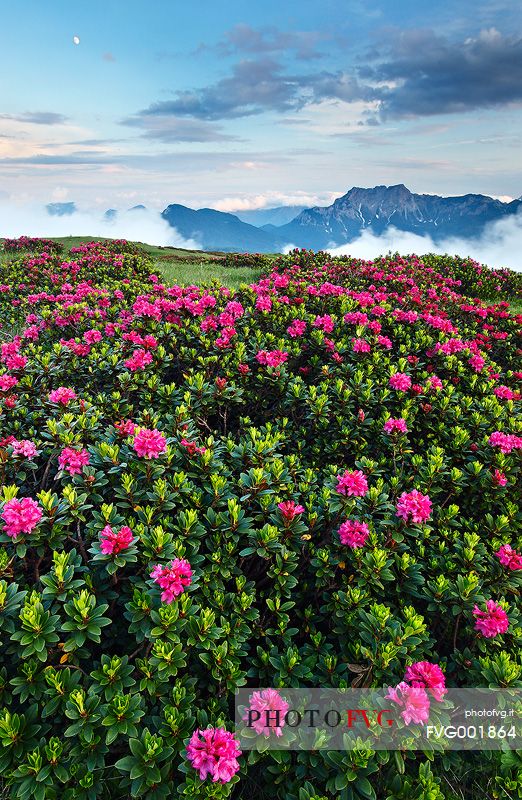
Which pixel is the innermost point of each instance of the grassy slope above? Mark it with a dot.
(183, 266)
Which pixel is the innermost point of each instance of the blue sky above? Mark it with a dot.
(236, 105)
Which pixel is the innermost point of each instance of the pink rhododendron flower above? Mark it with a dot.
(427, 675)
(139, 360)
(15, 362)
(361, 346)
(149, 443)
(395, 426)
(413, 699)
(191, 447)
(434, 382)
(385, 342)
(272, 358)
(326, 323)
(62, 395)
(24, 448)
(414, 506)
(263, 303)
(352, 483)
(492, 621)
(508, 557)
(113, 542)
(505, 393)
(289, 509)
(266, 712)
(7, 382)
(92, 335)
(297, 328)
(20, 516)
(354, 533)
(506, 442)
(477, 362)
(172, 579)
(125, 427)
(499, 479)
(73, 461)
(214, 752)
(400, 381)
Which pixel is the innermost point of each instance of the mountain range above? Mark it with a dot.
(375, 209)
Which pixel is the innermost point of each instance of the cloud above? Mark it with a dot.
(37, 117)
(274, 199)
(167, 128)
(138, 225)
(242, 38)
(256, 86)
(424, 74)
(499, 246)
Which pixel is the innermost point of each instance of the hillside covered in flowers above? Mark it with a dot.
(311, 481)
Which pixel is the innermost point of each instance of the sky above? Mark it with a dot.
(235, 106)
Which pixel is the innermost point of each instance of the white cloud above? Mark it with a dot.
(140, 225)
(274, 199)
(499, 246)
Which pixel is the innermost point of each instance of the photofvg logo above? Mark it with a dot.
(403, 717)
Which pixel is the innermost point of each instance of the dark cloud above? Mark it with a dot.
(430, 75)
(167, 128)
(257, 86)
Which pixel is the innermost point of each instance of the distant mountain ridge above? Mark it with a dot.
(375, 209)
(217, 230)
(261, 217)
(382, 207)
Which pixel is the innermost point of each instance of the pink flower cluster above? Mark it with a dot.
(62, 395)
(73, 461)
(289, 510)
(395, 426)
(414, 507)
(172, 579)
(24, 448)
(20, 516)
(271, 709)
(149, 443)
(427, 675)
(505, 393)
(506, 442)
(492, 621)
(325, 323)
(400, 381)
(113, 542)
(139, 360)
(125, 427)
(191, 447)
(352, 483)
(413, 700)
(272, 358)
(213, 752)
(360, 346)
(498, 478)
(354, 533)
(297, 328)
(411, 693)
(509, 557)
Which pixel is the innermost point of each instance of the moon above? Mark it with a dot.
(76, 39)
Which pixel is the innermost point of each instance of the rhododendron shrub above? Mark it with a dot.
(309, 481)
